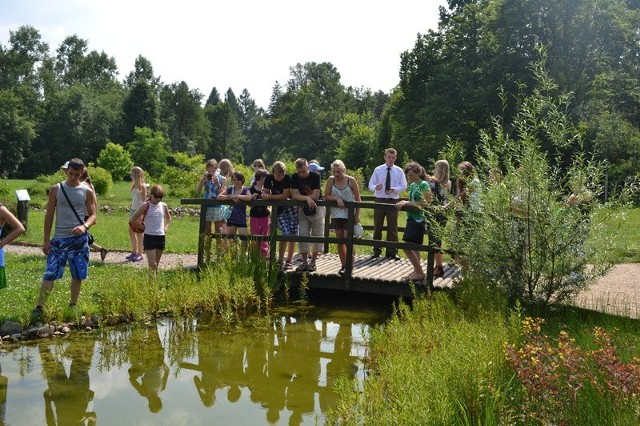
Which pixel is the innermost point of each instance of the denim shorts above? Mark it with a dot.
(72, 249)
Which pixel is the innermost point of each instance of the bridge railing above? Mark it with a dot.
(350, 240)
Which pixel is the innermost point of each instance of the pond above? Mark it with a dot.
(193, 371)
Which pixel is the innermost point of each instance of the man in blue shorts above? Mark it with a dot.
(68, 202)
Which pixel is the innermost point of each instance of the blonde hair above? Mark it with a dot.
(137, 177)
(441, 171)
(338, 164)
(226, 167)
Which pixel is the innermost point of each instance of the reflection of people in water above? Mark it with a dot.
(148, 373)
(4, 382)
(341, 364)
(264, 365)
(70, 395)
(220, 364)
(302, 365)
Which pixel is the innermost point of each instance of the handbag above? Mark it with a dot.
(414, 232)
(309, 211)
(139, 226)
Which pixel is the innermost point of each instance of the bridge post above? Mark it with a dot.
(203, 219)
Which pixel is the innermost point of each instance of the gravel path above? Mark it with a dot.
(616, 293)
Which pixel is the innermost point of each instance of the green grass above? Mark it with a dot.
(112, 232)
(223, 290)
(626, 228)
(435, 363)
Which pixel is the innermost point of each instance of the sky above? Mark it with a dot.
(237, 44)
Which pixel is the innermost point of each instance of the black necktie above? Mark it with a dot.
(387, 182)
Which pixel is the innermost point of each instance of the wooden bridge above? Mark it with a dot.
(363, 273)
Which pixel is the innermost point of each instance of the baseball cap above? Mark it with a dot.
(316, 167)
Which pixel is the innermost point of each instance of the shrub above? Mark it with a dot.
(116, 159)
(538, 204)
(101, 179)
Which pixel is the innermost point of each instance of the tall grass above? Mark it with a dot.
(444, 362)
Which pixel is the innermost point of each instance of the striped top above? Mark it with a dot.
(345, 194)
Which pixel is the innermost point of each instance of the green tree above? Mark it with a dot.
(150, 150)
(357, 138)
(140, 109)
(187, 127)
(226, 135)
(16, 133)
(116, 160)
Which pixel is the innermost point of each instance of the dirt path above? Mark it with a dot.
(616, 293)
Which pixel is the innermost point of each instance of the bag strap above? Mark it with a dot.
(70, 205)
(145, 212)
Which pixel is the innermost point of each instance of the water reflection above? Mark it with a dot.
(68, 395)
(280, 372)
(148, 373)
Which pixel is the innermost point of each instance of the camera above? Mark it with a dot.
(209, 176)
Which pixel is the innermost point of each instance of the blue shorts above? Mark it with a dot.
(72, 249)
(287, 220)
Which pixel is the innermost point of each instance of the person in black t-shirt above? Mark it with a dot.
(306, 187)
(277, 186)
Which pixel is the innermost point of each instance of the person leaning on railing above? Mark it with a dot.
(340, 188)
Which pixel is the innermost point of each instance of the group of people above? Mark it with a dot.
(429, 195)
(73, 205)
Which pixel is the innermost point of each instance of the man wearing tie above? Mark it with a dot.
(386, 183)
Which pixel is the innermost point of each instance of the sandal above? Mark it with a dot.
(311, 267)
(287, 266)
(302, 268)
(414, 277)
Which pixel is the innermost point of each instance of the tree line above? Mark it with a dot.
(71, 103)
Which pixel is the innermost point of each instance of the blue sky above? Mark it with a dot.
(238, 44)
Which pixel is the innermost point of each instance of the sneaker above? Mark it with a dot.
(103, 253)
(287, 266)
(342, 271)
(131, 255)
(302, 268)
(137, 258)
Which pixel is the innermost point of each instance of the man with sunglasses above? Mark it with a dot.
(68, 202)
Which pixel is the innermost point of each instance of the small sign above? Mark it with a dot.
(22, 194)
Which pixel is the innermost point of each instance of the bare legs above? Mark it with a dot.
(414, 258)
(153, 258)
(46, 286)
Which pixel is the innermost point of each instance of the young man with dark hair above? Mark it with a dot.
(68, 202)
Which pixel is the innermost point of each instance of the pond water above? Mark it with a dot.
(194, 372)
